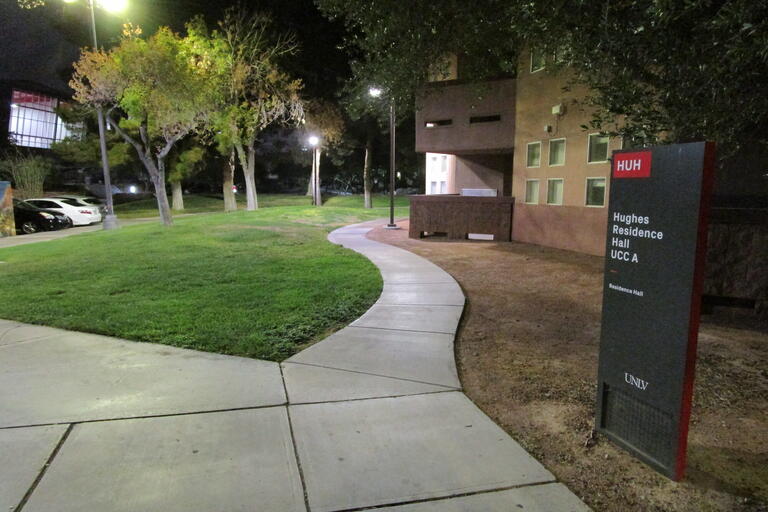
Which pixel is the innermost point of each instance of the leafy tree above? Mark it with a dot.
(675, 71)
(154, 91)
(257, 93)
(27, 172)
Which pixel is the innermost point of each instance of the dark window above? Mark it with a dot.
(485, 119)
(45, 204)
(439, 122)
(72, 202)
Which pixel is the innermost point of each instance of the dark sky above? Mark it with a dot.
(38, 45)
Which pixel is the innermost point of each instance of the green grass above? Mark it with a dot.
(205, 204)
(259, 284)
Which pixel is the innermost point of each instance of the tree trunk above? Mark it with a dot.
(158, 180)
(311, 184)
(318, 194)
(367, 185)
(251, 199)
(178, 196)
(230, 203)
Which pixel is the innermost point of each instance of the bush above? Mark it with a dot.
(27, 172)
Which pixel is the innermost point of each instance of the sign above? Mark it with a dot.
(654, 262)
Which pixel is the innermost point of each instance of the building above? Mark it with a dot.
(560, 171)
(467, 132)
(35, 66)
(522, 137)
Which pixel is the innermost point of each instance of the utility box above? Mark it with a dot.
(7, 223)
(655, 250)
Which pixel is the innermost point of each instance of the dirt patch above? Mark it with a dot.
(527, 355)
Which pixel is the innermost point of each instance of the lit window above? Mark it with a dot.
(438, 122)
(532, 191)
(538, 59)
(595, 191)
(33, 121)
(555, 191)
(598, 148)
(534, 154)
(557, 152)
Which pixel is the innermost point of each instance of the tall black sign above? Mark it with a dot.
(654, 259)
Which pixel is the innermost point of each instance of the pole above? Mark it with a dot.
(110, 220)
(392, 224)
(318, 194)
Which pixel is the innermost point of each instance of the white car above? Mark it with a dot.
(80, 215)
(88, 201)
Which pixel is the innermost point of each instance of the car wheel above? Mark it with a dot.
(29, 227)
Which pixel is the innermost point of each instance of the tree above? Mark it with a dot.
(160, 88)
(27, 172)
(325, 121)
(677, 70)
(257, 93)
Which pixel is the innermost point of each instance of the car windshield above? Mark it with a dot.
(24, 205)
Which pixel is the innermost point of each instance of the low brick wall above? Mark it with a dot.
(457, 216)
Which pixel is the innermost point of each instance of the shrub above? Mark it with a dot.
(27, 172)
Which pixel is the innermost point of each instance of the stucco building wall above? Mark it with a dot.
(572, 225)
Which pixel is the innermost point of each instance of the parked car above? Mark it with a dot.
(31, 219)
(80, 215)
(93, 202)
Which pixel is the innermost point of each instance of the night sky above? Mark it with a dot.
(321, 63)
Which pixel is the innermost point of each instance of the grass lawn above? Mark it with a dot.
(204, 204)
(259, 284)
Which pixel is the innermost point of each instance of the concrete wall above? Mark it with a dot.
(484, 171)
(572, 225)
(458, 102)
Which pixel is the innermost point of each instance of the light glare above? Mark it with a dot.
(313, 140)
(113, 5)
(375, 92)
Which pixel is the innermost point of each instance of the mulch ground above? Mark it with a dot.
(527, 354)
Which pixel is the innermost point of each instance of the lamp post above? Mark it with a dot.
(375, 92)
(110, 219)
(314, 142)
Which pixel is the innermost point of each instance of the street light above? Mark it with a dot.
(110, 220)
(314, 179)
(376, 92)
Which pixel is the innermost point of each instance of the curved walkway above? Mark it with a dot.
(372, 416)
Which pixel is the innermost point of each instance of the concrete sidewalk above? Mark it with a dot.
(372, 416)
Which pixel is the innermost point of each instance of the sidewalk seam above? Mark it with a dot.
(44, 469)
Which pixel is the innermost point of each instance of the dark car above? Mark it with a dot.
(31, 219)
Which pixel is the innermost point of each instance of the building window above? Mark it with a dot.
(538, 59)
(598, 148)
(532, 191)
(33, 120)
(595, 191)
(443, 187)
(555, 191)
(438, 122)
(534, 154)
(433, 187)
(485, 119)
(557, 152)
